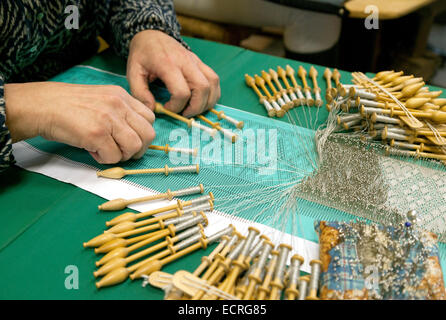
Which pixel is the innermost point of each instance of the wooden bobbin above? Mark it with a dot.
(221, 115)
(278, 96)
(292, 292)
(336, 76)
(118, 173)
(119, 262)
(277, 284)
(166, 148)
(120, 274)
(299, 99)
(130, 216)
(206, 261)
(120, 203)
(223, 267)
(307, 90)
(226, 133)
(261, 83)
(317, 91)
(265, 288)
(190, 122)
(327, 77)
(263, 100)
(239, 264)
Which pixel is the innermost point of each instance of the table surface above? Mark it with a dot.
(45, 222)
(388, 9)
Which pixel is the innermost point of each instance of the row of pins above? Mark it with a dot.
(395, 108)
(241, 267)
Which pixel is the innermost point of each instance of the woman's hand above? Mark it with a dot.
(194, 87)
(104, 120)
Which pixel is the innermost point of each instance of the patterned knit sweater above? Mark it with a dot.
(35, 43)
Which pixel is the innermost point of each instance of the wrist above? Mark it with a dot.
(22, 115)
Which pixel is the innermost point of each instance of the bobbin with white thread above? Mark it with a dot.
(221, 115)
(255, 277)
(277, 284)
(291, 292)
(303, 287)
(300, 99)
(262, 99)
(240, 264)
(166, 148)
(264, 289)
(314, 280)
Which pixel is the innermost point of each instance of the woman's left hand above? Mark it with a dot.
(194, 87)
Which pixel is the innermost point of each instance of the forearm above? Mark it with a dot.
(6, 157)
(128, 17)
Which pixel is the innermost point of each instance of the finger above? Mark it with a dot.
(214, 81)
(126, 138)
(139, 86)
(176, 84)
(107, 151)
(141, 109)
(200, 90)
(144, 130)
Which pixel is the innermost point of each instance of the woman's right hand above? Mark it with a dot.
(103, 119)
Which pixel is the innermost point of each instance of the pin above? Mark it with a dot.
(307, 90)
(190, 122)
(263, 100)
(119, 204)
(168, 149)
(222, 115)
(261, 83)
(317, 91)
(314, 280)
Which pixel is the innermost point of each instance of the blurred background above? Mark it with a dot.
(353, 35)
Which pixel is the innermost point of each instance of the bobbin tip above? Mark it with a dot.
(198, 168)
(285, 245)
(298, 257)
(201, 188)
(211, 195)
(317, 261)
(240, 125)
